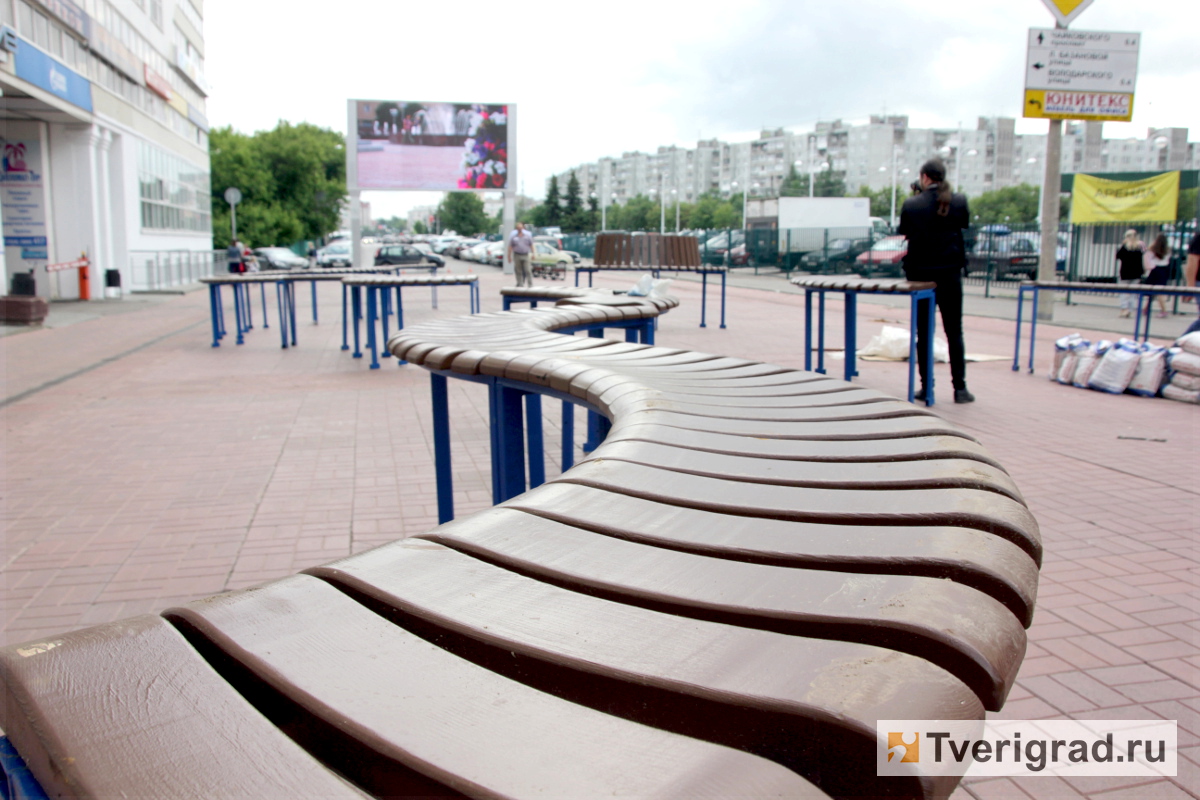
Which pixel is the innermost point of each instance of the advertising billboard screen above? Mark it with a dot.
(431, 146)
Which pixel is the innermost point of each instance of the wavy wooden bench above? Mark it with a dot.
(755, 566)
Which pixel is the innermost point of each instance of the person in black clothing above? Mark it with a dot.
(933, 222)
(1129, 256)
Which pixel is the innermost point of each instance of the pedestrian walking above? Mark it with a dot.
(520, 245)
(233, 254)
(1129, 257)
(1156, 262)
(933, 222)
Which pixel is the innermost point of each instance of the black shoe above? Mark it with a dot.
(963, 396)
(919, 395)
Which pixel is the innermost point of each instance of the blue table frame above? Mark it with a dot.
(243, 307)
(851, 325)
(515, 424)
(1144, 295)
(378, 309)
(655, 271)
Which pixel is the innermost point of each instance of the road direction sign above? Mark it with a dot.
(1072, 74)
(1066, 10)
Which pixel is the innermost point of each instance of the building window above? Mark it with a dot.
(174, 192)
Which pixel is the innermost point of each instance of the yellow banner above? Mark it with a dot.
(1056, 104)
(1099, 200)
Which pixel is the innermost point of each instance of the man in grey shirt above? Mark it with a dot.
(520, 245)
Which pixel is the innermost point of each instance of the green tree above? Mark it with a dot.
(552, 214)
(1187, 205)
(1014, 204)
(573, 214)
(881, 201)
(420, 227)
(292, 180)
(793, 185)
(830, 183)
(462, 212)
(593, 214)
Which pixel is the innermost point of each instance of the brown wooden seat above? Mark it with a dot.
(754, 566)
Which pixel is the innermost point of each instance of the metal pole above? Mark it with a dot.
(893, 216)
(233, 218)
(662, 204)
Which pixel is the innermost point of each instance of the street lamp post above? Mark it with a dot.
(675, 192)
(662, 206)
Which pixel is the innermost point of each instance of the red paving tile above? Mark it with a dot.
(164, 469)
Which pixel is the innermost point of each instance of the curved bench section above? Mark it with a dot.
(753, 568)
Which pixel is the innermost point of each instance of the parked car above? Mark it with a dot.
(1061, 253)
(548, 261)
(400, 255)
(430, 256)
(886, 257)
(556, 243)
(738, 257)
(838, 256)
(279, 258)
(335, 255)
(713, 251)
(494, 253)
(476, 252)
(1007, 255)
(458, 247)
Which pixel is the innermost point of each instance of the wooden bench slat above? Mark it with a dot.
(962, 630)
(130, 709)
(901, 426)
(798, 701)
(944, 473)
(971, 557)
(383, 704)
(968, 508)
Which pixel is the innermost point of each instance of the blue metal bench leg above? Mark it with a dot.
(220, 313)
(237, 311)
(345, 318)
(568, 435)
(249, 308)
(356, 306)
(929, 331)
(291, 320)
(1033, 317)
(912, 344)
(475, 301)
(1016, 365)
(313, 284)
(385, 300)
(512, 445)
(535, 442)
(722, 299)
(632, 334)
(281, 305)
(594, 420)
(441, 448)
(214, 300)
(808, 330)
(18, 782)
(494, 440)
(703, 297)
(372, 313)
(399, 322)
(821, 332)
(851, 314)
(262, 294)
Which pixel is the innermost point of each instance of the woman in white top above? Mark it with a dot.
(1155, 263)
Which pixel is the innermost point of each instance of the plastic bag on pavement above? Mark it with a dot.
(649, 286)
(1151, 371)
(1061, 348)
(891, 344)
(1116, 368)
(1088, 360)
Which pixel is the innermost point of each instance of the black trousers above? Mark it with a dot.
(949, 297)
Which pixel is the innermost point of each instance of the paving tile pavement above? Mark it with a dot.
(143, 468)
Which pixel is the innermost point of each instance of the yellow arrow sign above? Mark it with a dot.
(1066, 10)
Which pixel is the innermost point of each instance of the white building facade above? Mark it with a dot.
(874, 155)
(105, 142)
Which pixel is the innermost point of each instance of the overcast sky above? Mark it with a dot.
(597, 79)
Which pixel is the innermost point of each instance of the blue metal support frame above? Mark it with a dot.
(262, 294)
(18, 782)
(444, 476)
(535, 445)
(568, 435)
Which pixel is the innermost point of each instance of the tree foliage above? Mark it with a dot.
(881, 201)
(552, 213)
(794, 185)
(1012, 204)
(292, 180)
(830, 183)
(462, 212)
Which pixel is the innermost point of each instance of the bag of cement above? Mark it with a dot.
(1151, 371)
(1172, 392)
(1088, 360)
(1189, 343)
(1061, 348)
(1181, 380)
(1070, 360)
(1185, 362)
(1116, 368)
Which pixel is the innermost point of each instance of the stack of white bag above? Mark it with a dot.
(1115, 368)
(1184, 384)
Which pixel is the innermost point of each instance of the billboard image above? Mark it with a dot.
(431, 146)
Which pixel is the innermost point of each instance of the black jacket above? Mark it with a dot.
(934, 241)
